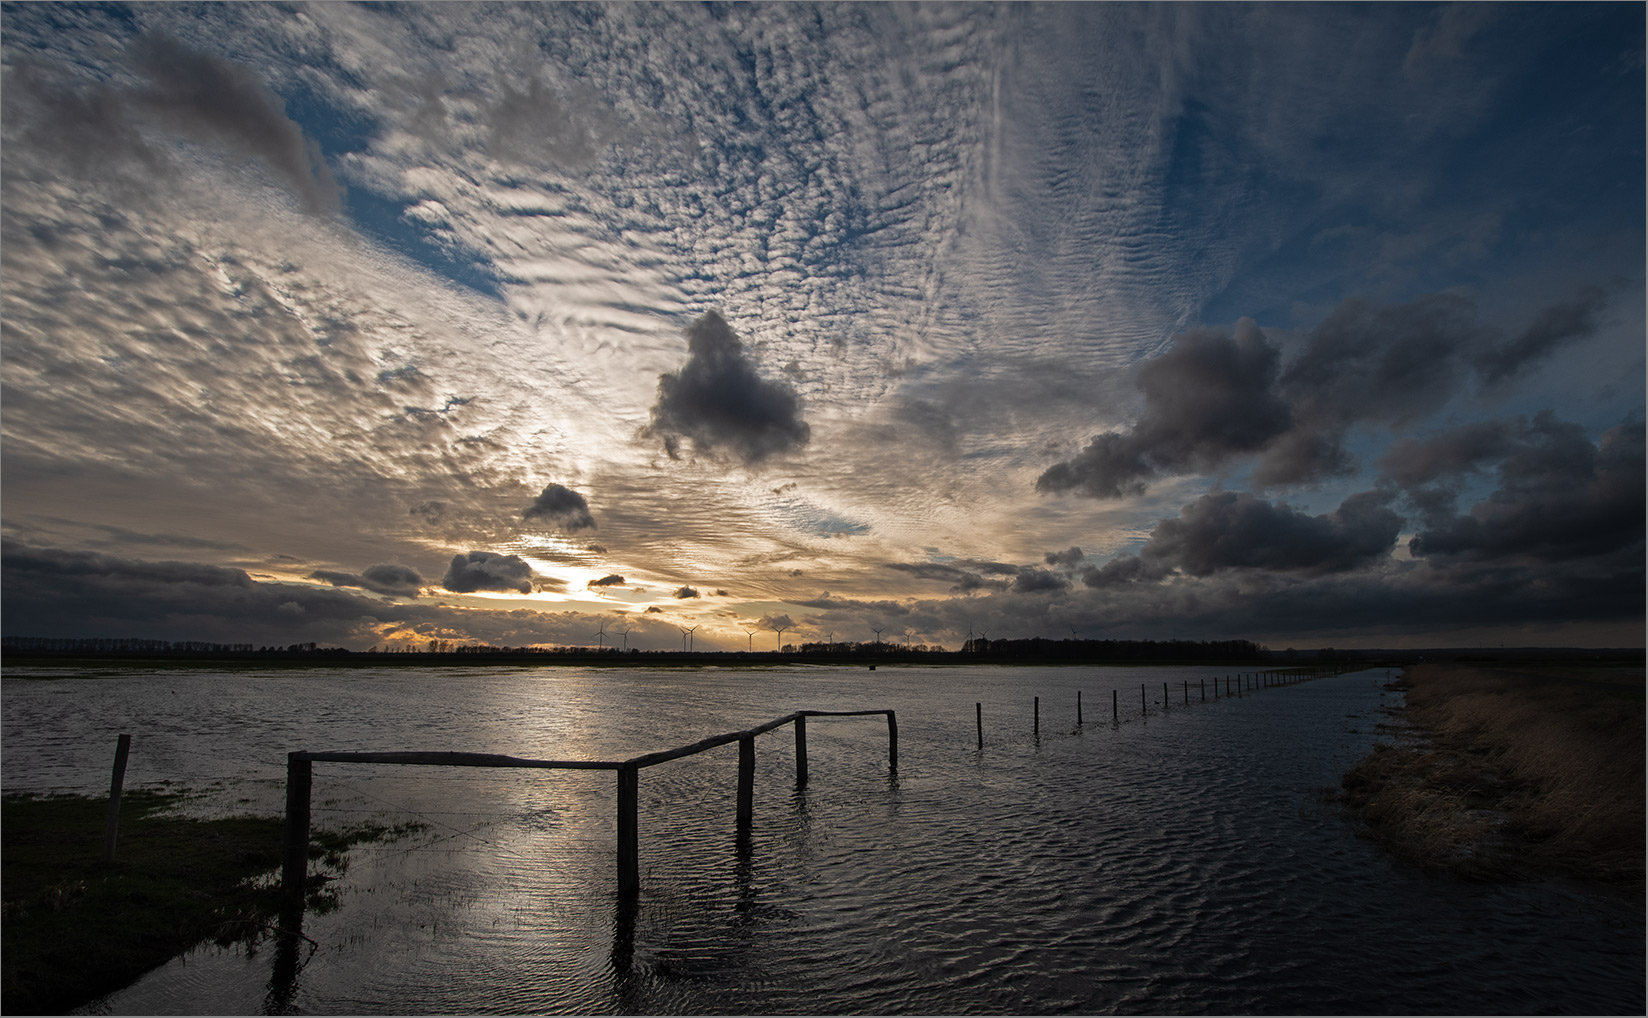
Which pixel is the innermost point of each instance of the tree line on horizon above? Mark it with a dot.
(1032, 649)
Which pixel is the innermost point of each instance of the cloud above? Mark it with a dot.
(653, 610)
(1552, 327)
(719, 401)
(1069, 557)
(610, 580)
(1208, 398)
(563, 507)
(485, 570)
(1031, 580)
(775, 622)
(1236, 530)
(401, 581)
(216, 101)
(1559, 497)
(686, 592)
(1213, 398)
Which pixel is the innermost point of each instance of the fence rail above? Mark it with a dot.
(300, 779)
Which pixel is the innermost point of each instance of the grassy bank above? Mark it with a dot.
(76, 928)
(1507, 772)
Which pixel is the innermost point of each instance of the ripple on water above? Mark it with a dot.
(1178, 863)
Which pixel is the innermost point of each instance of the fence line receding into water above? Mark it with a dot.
(300, 778)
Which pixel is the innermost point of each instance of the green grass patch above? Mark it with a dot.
(76, 927)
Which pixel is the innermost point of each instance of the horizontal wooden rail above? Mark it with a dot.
(461, 760)
(300, 769)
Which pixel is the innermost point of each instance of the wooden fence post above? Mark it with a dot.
(1035, 717)
(892, 741)
(978, 712)
(117, 783)
(294, 856)
(629, 832)
(1115, 713)
(1078, 708)
(746, 783)
(800, 749)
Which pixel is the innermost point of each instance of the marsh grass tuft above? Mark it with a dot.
(77, 927)
(1511, 772)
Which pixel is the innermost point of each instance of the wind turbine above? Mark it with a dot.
(601, 636)
(625, 634)
(751, 642)
(780, 631)
(690, 641)
(877, 631)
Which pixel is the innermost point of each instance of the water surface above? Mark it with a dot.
(1181, 860)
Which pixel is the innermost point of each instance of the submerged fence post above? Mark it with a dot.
(629, 832)
(1078, 708)
(1187, 692)
(746, 783)
(892, 741)
(801, 749)
(978, 713)
(117, 782)
(1144, 707)
(294, 855)
(1115, 713)
(1035, 717)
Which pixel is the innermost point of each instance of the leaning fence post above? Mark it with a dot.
(892, 741)
(629, 833)
(294, 861)
(117, 782)
(746, 783)
(801, 749)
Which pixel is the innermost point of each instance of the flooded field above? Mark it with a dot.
(1181, 859)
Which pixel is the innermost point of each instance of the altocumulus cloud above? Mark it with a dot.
(719, 400)
(486, 570)
(562, 506)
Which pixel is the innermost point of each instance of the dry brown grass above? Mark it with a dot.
(1513, 771)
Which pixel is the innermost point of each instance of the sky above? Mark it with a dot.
(562, 324)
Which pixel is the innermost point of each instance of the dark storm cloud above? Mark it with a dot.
(1069, 557)
(1410, 462)
(1231, 530)
(718, 400)
(1031, 580)
(1559, 497)
(1227, 530)
(23, 560)
(1207, 398)
(485, 570)
(213, 100)
(401, 581)
(563, 507)
(1552, 327)
(610, 580)
(1213, 398)
(72, 593)
(181, 90)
